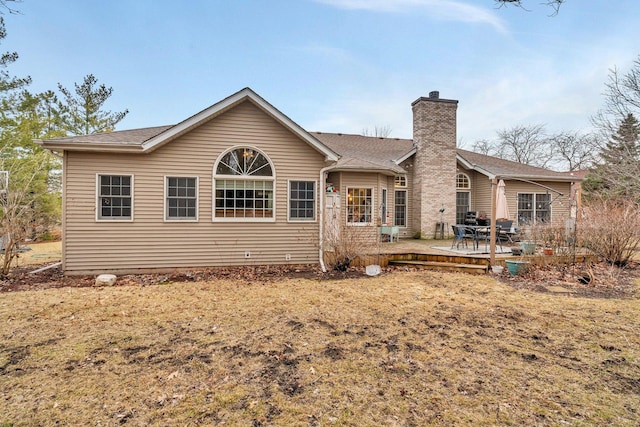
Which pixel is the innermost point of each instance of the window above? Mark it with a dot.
(383, 206)
(462, 181)
(359, 203)
(400, 181)
(400, 218)
(463, 203)
(181, 198)
(533, 208)
(244, 186)
(115, 197)
(463, 198)
(302, 201)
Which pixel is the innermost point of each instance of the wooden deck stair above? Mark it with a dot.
(442, 262)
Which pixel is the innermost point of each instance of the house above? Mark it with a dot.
(241, 183)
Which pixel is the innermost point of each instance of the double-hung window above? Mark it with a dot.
(302, 201)
(115, 197)
(244, 186)
(359, 205)
(181, 203)
(534, 208)
(400, 208)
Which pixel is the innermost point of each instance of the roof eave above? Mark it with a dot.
(405, 157)
(86, 146)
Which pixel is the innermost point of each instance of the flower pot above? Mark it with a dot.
(516, 267)
(547, 251)
(528, 248)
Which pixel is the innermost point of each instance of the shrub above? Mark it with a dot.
(611, 229)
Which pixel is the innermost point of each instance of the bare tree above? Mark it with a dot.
(525, 144)
(554, 4)
(573, 150)
(23, 194)
(378, 131)
(8, 5)
(622, 97)
(483, 146)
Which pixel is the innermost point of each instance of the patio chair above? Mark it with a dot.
(460, 236)
(505, 230)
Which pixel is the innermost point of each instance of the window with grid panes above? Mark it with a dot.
(302, 200)
(115, 197)
(359, 205)
(182, 199)
(244, 183)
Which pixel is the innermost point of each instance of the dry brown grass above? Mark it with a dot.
(407, 348)
(40, 253)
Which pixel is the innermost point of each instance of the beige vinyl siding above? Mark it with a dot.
(149, 242)
(361, 180)
(481, 196)
(560, 206)
(480, 193)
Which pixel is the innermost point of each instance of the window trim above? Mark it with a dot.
(534, 209)
(466, 178)
(406, 207)
(97, 197)
(400, 181)
(315, 202)
(166, 197)
(372, 214)
(216, 177)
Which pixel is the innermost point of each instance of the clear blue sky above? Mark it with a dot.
(334, 65)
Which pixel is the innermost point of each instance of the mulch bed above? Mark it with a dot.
(605, 281)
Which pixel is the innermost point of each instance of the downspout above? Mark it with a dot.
(321, 219)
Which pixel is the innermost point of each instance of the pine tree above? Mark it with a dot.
(82, 112)
(618, 172)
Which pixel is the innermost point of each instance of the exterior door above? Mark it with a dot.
(463, 205)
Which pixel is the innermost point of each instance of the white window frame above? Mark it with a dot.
(465, 179)
(256, 178)
(371, 214)
(166, 197)
(534, 209)
(98, 197)
(400, 181)
(406, 207)
(315, 201)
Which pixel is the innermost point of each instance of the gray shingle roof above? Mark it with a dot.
(506, 168)
(366, 152)
(132, 136)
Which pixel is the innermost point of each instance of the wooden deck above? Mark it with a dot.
(433, 255)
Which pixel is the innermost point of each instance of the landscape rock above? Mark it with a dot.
(106, 280)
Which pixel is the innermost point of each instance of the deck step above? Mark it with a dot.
(444, 266)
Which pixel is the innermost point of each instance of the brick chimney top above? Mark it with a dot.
(434, 96)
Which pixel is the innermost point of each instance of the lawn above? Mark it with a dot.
(404, 348)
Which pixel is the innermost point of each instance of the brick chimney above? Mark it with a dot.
(434, 174)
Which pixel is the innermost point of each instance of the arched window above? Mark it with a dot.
(463, 182)
(463, 197)
(244, 181)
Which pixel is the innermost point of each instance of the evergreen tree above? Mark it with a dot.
(623, 145)
(82, 112)
(618, 172)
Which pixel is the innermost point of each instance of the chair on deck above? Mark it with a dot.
(505, 230)
(460, 236)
